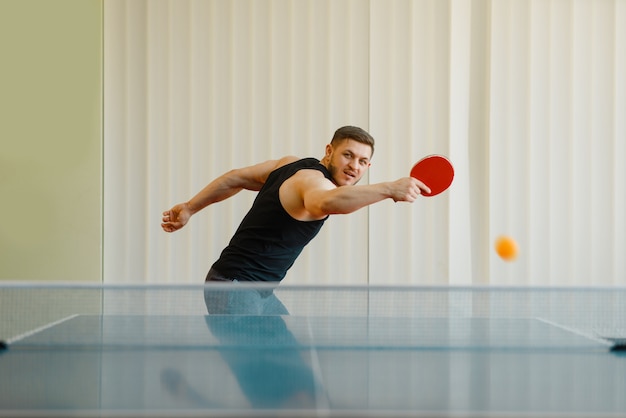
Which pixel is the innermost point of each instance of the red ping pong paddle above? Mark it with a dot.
(435, 171)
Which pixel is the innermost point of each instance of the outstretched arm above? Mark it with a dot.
(223, 187)
(348, 199)
(308, 195)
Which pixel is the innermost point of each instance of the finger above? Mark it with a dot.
(169, 227)
(423, 188)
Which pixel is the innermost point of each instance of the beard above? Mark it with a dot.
(333, 170)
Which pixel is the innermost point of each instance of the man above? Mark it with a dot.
(295, 198)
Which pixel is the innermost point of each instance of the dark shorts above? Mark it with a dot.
(240, 300)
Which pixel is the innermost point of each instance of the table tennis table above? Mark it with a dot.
(353, 351)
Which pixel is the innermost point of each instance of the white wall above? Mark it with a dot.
(525, 97)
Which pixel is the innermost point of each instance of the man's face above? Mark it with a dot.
(348, 161)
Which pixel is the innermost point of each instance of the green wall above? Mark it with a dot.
(51, 140)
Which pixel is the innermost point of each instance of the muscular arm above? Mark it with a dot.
(223, 187)
(309, 195)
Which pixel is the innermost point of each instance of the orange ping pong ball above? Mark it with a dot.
(506, 247)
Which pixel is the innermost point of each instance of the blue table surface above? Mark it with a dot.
(309, 366)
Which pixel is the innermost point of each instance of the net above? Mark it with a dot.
(168, 316)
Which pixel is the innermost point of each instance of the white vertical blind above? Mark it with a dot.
(556, 159)
(195, 88)
(409, 102)
(459, 228)
(528, 98)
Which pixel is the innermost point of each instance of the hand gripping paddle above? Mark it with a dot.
(435, 171)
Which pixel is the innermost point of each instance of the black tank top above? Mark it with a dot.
(269, 240)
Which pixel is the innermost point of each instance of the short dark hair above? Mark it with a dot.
(355, 133)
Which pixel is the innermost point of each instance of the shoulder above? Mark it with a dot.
(305, 179)
(290, 166)
(268, 167)
(287, 160)
(312, 176)
(299, 163)
(301, 171)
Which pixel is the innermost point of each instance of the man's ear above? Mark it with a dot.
(329, 150)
